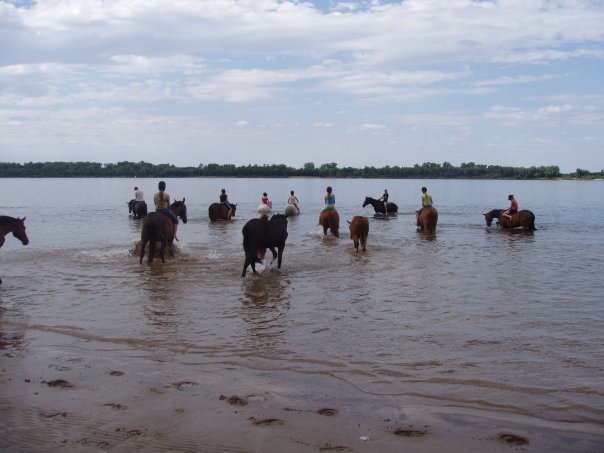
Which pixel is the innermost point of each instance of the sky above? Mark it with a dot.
(359, 83)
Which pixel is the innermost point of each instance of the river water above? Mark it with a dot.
(506, 323)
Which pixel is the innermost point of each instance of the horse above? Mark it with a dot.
(15, 226)
(219, 211)
(359, 229)
(158, 227)
(426, 219)
(378, 206)
(138, 209)
(290, 210)
(264, 208)
(329, 218)
(260, 234)
(524, 219)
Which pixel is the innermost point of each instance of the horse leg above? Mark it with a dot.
(162, 249)
(152, 244)
(280, 256)
(143, 244)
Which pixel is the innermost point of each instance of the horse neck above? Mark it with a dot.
(7, 225)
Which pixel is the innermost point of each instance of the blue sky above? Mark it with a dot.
(511, 82)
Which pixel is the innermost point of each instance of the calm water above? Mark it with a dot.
(477, 317)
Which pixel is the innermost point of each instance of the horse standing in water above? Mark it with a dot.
(524, 219)
(426, 219)
(359, 229)
(329, 218)
(158, 227)
(138, 209)
(218, 211)
(378, 206)
(15, 226)
(260, 234)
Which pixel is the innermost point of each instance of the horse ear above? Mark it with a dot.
(484, 215)
(183, 199)
(348, 222)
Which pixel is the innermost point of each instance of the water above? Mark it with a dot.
(509, 323)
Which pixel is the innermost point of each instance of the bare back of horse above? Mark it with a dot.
(260, 234)
(359, 230)
(427, 218)
(524, 219)
(138, 209)
(330, 219)
(219, 211)
(12, 225)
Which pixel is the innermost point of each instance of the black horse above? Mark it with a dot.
(138, 209)
(15, 226)
(260, 234)
(378, 206)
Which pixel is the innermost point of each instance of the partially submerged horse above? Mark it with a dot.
(218, 211)
(15, 226)
(138, 209)
(264, 208)
(329, 218)
(290, 210)
(378, 206)
(426, 219)
(524, 219)
(260, 234)
(158, 227)
(359, 230)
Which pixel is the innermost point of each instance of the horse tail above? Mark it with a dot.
(532, 225)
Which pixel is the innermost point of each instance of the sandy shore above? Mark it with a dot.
(60, 392)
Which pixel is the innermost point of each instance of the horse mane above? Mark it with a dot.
(7, 220)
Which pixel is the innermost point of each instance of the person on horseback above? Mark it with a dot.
(384, 198)
(162, 204)
(426, 200)
(330, 199)
(266, 201)
(138, 194)
(225, 201)
(512, 209)
(293, 200)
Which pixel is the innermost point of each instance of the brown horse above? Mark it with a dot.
(329, 218)
(138, 209)
(158, 227)
(218, 211)
(426, 219)
(524, 219)
(15, 226)
(359, 229)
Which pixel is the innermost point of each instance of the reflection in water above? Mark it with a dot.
(12, 337)
(264, 302)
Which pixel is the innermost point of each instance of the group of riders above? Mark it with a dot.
(162, 202)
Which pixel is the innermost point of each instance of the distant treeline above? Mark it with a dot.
(145, 169)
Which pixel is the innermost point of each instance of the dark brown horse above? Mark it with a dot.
(524, 219)
(378, 206)
(260, 234)
(329, 218)
(218, 211)
(138, 209)
(158, 227)
(15, 226)
(426, 219)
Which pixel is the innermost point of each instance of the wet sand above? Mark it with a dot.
(61, 392)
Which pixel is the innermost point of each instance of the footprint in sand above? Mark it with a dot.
(61, 383)
(267, 421)
(409, 432)
(513, 439)
(183, 385)
(234, 400)
(327, 412)
(117, 373)
(329, 447)
(117, 406)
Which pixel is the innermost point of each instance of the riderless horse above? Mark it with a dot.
(15, 226)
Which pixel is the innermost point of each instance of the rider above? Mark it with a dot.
(426, 200)
(384, 198)
(138, 194)
(293, 200)
(225, 201)
(512, 209)
(162, 204)
(330, 199)
(266, 201)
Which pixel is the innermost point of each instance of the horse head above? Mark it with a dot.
(366, 202)
(131, 205)
(492, 214)
(180, 209)
(19, 231)
(233, 209)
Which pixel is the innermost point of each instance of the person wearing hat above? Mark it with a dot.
(512, 209)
